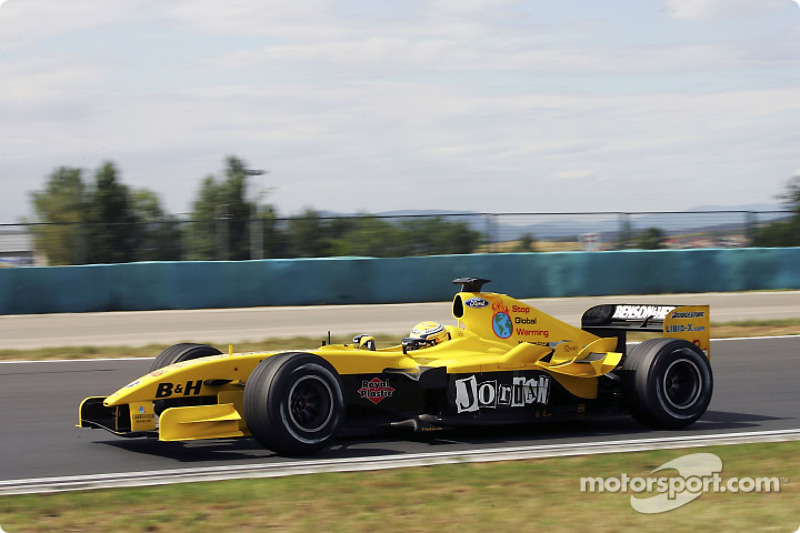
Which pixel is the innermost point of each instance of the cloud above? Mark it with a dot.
(310, 19)
(26, 22)
(336, 98)
(722, 9)
(43, 81)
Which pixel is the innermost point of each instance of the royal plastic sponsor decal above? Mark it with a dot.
(476, 303)
(641, 312)
(472, 396)
(375, 390)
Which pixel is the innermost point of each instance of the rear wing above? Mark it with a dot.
(689, 322)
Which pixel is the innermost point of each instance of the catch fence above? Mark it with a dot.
(267, 236)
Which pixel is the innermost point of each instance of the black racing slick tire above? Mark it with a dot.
(293, 403)
(185, 351)
(182, 352)
(667, 383)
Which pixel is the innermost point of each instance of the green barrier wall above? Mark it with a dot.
(194, 285)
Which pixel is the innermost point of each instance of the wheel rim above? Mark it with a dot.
(310, 403)
(682, 383)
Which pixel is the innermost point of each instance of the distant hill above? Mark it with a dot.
(746, 207)
(509, 227)
(555, 226)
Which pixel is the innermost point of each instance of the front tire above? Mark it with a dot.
(667, 383)
(184, 351)
(176, 353)
(293, 403)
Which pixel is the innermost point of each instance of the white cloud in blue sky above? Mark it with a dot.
(485, 105)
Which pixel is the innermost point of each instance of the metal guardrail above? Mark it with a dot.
(224, 238)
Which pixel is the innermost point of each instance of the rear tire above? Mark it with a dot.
(293, 403)
(667, 383)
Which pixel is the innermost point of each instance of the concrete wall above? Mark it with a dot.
(194, 285)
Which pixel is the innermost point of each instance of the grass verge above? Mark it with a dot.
(752, 328)
(151, 350)
(538, 495)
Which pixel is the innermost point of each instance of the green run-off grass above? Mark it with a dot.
(532, 495)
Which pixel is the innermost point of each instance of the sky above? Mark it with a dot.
(381, 105)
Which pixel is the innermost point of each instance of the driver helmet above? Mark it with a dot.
(430, 333)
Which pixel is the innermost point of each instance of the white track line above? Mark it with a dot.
(312, 466)
(99, 360)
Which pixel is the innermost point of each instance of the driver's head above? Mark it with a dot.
(429, 333)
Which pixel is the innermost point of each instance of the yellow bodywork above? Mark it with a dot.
(201, 422)
(493, 332)
(691, 323)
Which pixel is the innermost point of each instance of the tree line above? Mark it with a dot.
(99, 219)
(783, 232)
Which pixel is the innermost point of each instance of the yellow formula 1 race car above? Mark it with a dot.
(503, 362)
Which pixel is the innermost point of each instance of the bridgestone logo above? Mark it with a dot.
(695, 314)
(641, 312)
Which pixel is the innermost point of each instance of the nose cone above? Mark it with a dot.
(184, 379)
(144, 388)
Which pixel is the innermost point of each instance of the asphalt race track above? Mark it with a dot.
(755, 390)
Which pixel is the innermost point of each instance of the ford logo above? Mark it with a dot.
(476, 303)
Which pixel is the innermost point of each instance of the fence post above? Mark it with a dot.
(223, 230)
(750, 224)
(256, 234)
(186, 240)
(625, 231)
(490, 232)
(80, 249)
